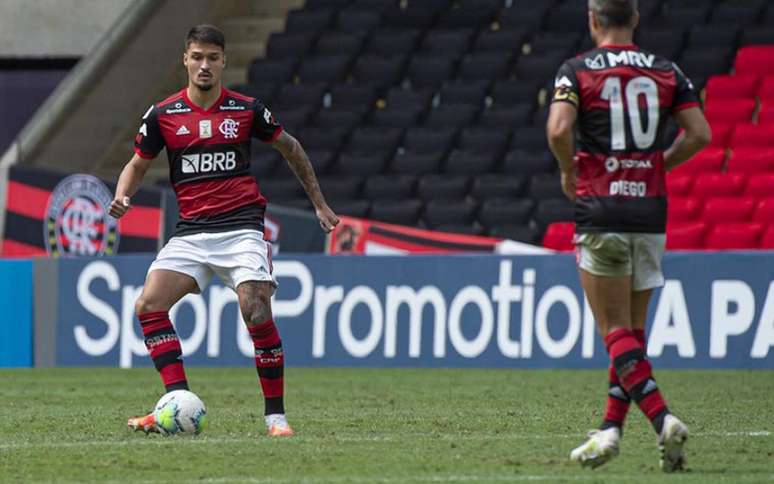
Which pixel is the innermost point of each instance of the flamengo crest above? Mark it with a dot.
(229, 128)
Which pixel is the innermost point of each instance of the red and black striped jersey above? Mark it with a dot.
(209, 158)
(624, 97)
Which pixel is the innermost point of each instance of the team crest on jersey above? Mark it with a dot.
(229, 128)
(77, 220)
(205, 128)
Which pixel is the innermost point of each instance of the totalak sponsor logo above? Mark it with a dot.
(178, 108)
(232, 106)
(209, 162)
(630, 58)
(612, 164)
(77, 222)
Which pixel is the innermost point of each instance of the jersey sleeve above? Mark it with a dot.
(566, 87)
(685, 94)
(149, 141)
(265, 127)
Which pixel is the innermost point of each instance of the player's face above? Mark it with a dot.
(205, 63)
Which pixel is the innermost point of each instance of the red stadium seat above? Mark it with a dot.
(767, 239)
(752, 135)
(685, 236)
(766, 114)
(751, 161)
(760, 185)
(731, 87)
(764, 211)
(734, 235)
(559, 236)
(683, 209)
(755, 60)
(728, 209)
(718, 184)
(721, 133)
(708, 160)
(730, 110)
(679, 184)
(766, 89)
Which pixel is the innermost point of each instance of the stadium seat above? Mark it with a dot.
(503, 116)
(718, 184)
(683, 209)
(533, 139)
(400, 117)
(484, 66)
(378, 71)
(508, 93)
(264, 91)
(447, 42)
(700, 63)
(398, 97)
(367, 138)
(336, 43)
(756, 35)
(342, 187)
(746, 14)
(710, 36)
(321, 161)
(445, 212)
(353, 96)
(721, 134)
(734, 236)
(739, 110)
(559, 236)
(415, 16)
(409, 162)
(317, 20)
(263, 163)
(317, 4)
(767, 239)
(750, 135)
(568, 17)
(360, 22)
(389, 187)
(553, 210)
(378, 6)
(429, 71)
(306, 96)
(401, 212)
(388, 43)
(329, 138)
(731, 87)
(538, 67)
(728, 209)
(760, 185)
(282, 45)
(666, 42)
(471, 16)
(460, 92)
(545, 186)
(506, 211)
(493, 140)
(764, 211)
(559, 43)
(766, 113)
(530, 19)
(496, 185)
(428, 140)
(351, 208)
(752, 161)
(361, 163)
(270, 70)
(709, 160)
(755, 60)
(682, 15)
(523, 162)
(470, 162)
(451, 116)
(283, 189)
(500, 41)
(435, 187)
(678, 184)
(685, 236)
(347, 118)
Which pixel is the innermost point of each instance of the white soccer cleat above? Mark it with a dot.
(277, 425)
(670, 443)
(600, 448)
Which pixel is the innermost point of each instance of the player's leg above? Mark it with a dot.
(648, 251)
(255, 304)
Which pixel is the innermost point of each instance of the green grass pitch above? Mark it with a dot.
(376, 426)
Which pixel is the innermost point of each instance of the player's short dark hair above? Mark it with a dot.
(614, 13)
(205, 34)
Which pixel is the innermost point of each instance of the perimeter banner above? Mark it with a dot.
(715, 311)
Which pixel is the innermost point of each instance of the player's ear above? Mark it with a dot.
(636, 19)
(185, 59)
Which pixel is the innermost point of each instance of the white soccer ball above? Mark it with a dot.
(180, 411)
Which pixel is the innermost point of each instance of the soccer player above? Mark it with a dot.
(619, 98)
(207, 130)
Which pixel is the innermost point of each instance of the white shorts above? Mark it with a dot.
(236, 257)
(618, 254)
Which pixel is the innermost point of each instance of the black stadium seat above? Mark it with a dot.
(545, 186)
(470, 162)
(338, 43)
(456, 92)
(493, 140)
(506, 211)
(340, 187)
(416, 16)
(568, 17)
(388, 43)
(301, 20)
(402, 212)
(274, 71)
(366, 138)
(329, 138)
(503, 116)
(323, 69)
(447, 42)
(523, 162)
(390, 187)
(351, 207)
(451, 116)
(445, 212)
(500, 41)
(361, 163)
(485, 66)
(295, 95)
(553, 210)
(428, 140)
(429, 71)
(530, 19)
(710, 36)
(378, 71)
(409, 162)
(496, 185)
(403, 98)
(358, 21)
(346, 118)
(352, 95)
(446, 187)
(289, 46)
(400, 117)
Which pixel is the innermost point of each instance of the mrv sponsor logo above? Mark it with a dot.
(209, 162)
(506, 316)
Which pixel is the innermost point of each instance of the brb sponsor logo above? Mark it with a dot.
(209, 162)
(507, 318)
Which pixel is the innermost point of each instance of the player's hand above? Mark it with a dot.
(328, 219)
(568, 184)
(119, 207)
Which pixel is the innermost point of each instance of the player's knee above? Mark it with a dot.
(259, 311)
(145, 304)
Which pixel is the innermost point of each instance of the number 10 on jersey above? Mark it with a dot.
(613, 93)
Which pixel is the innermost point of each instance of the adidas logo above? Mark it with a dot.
(182, 130)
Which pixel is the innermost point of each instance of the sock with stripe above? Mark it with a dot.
(617, 399)
(636, 375)
(164, 348)
(270, 363)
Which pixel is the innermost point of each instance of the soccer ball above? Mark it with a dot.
(180, 411)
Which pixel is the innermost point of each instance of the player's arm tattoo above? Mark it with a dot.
(296, 157)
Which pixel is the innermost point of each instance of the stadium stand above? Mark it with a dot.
(440, 105)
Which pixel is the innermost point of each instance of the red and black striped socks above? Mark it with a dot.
(617, 399)
(270, 363)
(636, 375)
(164, 348)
